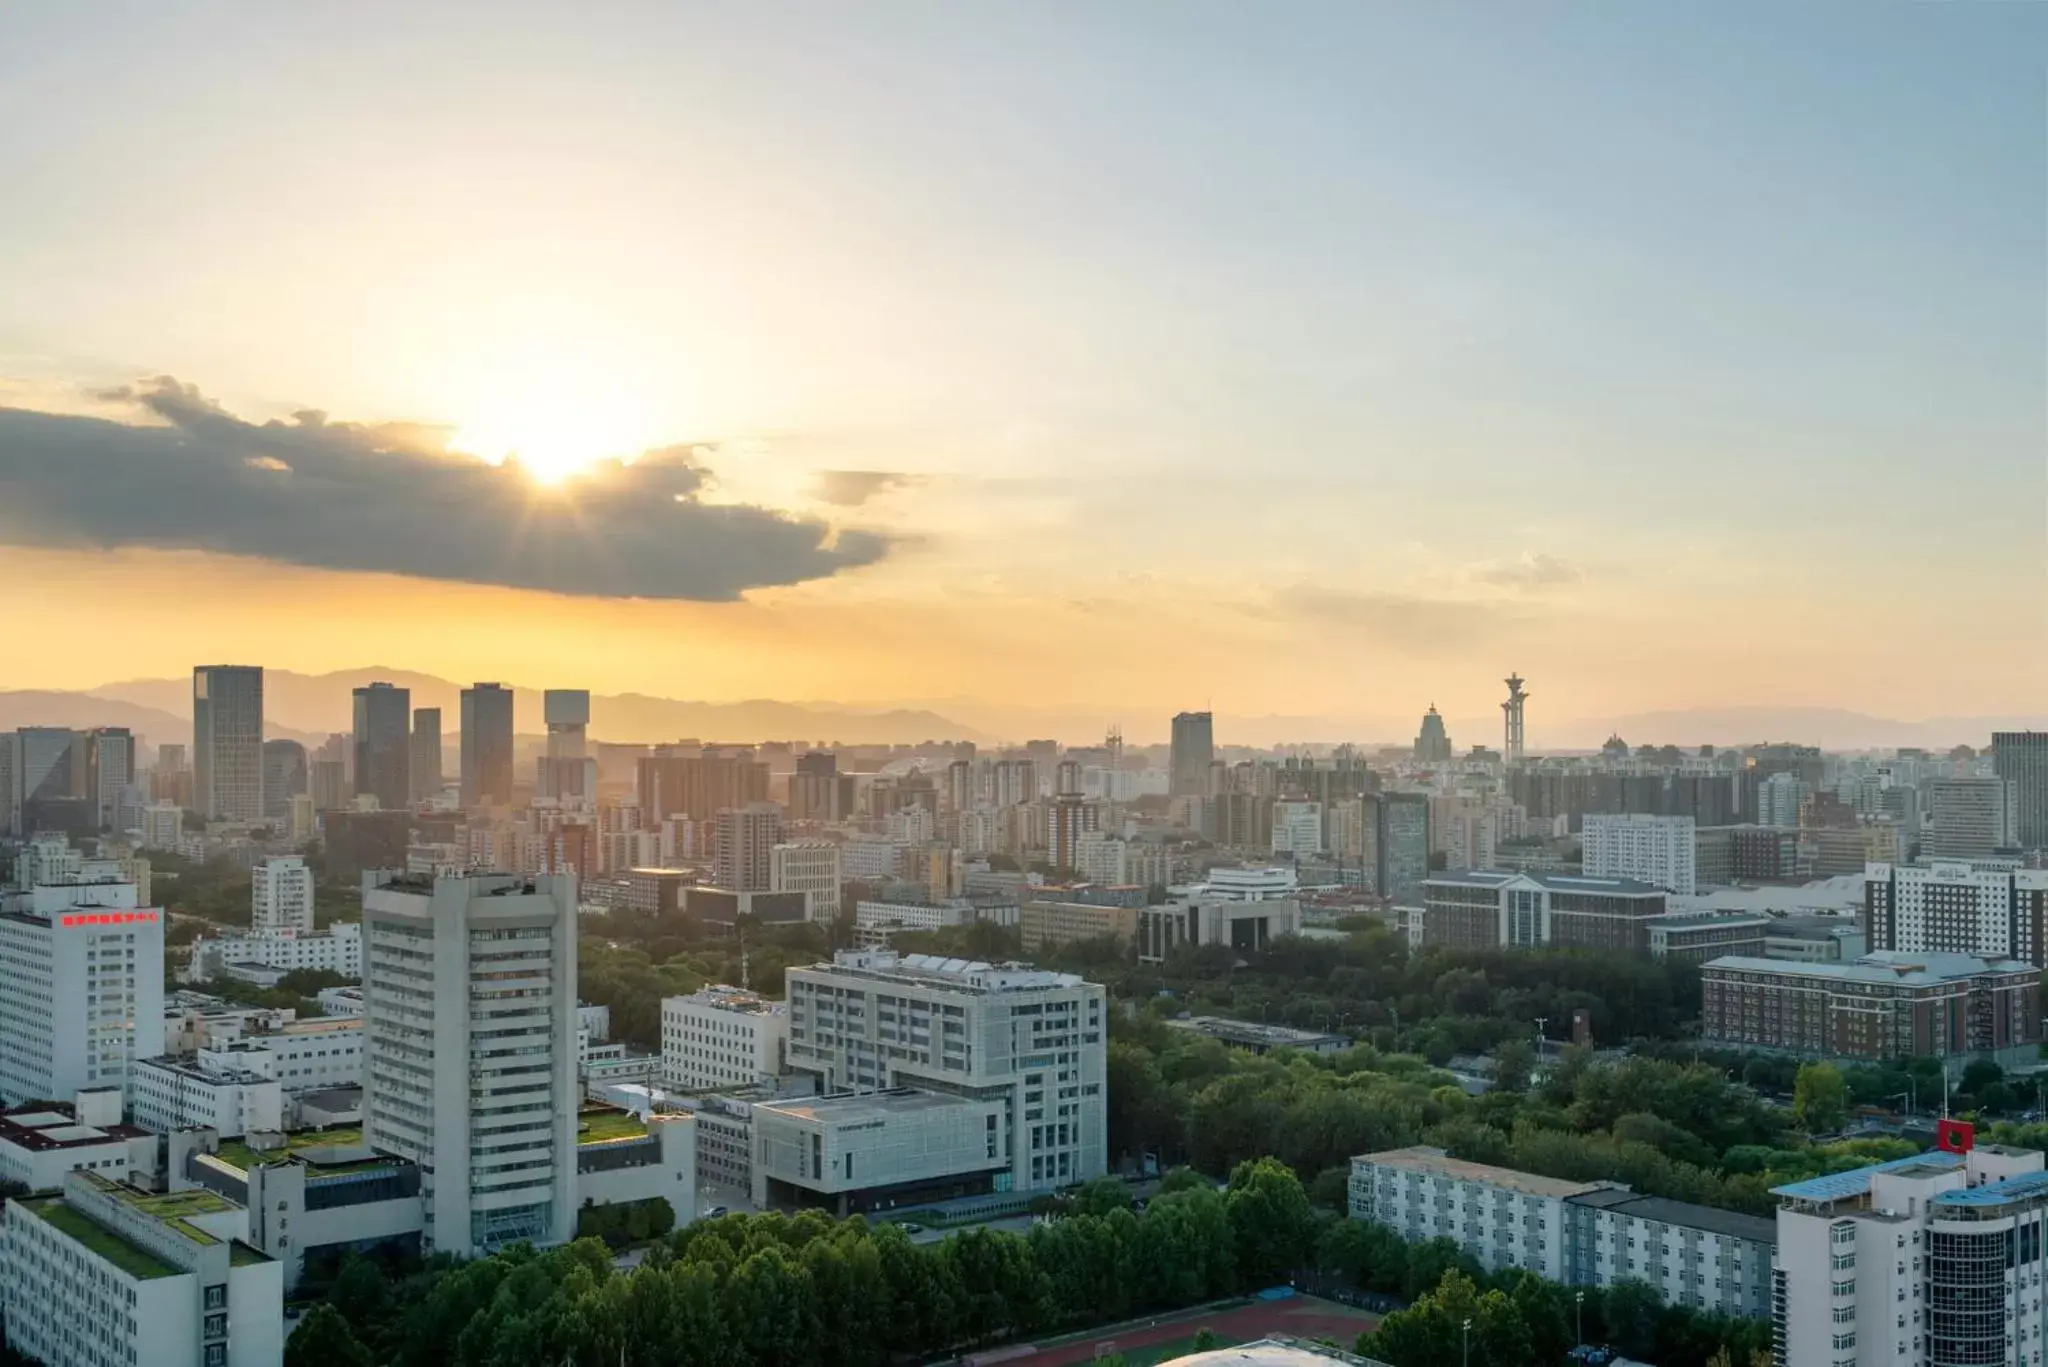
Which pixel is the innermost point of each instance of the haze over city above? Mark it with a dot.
(1311, 371)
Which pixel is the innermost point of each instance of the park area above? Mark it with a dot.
(1145, 1342)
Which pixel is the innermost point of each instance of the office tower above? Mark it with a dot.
(1955, 907)
(743, 859)
(227, 742)
(81, 989)
(284, 778)
(1023, 1048)
(1779, 798)
(487, 746)
(110, 777)
(567, 773)
(1193, 750)
(1401, 844)
(470, 1035)
(2021, 759)
(10, 777)
(426, 754)
(1432, 743)
(51, 778)
(1659, 850)
(1968, 818)
(1069, 817)
(281, 896)
(383, 741)
(328, 785)
(1511, 714)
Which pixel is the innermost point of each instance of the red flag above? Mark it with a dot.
(1955, 1136)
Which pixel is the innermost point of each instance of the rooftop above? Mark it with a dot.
(1684, 1214)
(1840, 1186)
(959, 975)
(133, 1259)
(1885, 966)
(341, 1146)
(1554, 882)
(1257, 1032)
(602, 1124)
(862, 1106)
(1437, 1163)
(41, 1129)
(1708, 921)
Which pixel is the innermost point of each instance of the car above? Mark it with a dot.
(910, 1228)
(715, 1212)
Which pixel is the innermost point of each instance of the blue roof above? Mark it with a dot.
(1839, 1186)
(2017, 1188)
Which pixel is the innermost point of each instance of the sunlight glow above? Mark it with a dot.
(553, 416)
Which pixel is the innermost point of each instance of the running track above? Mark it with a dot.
(1302, 1317)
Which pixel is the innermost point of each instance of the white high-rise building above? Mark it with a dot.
(470, 1030)
(81, 989)
(1989, 909)
(163, 826)
(1297, 828)
(1658, 850)
(1779, 798)
(281, 896)
(1929, 1261)
(227, 741)
(1030, 1044)
(742, 859)
(810, 867)
(721, 1037)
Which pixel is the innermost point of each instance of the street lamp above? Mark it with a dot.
(1468, 1343)
(1579, 1303)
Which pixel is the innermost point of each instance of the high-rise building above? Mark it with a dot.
(1432, 743)
(81, 989)
(816, 789)
(1067, 818)
(1297, 829)
(52, 779)
(1193, 750)
(284, 777)
(810, 867)
(328, 785)
(470, 1032)
(699, 786)
(1968, 818)
(487, 746)
(383, 743)
(743, 856)
(567, 773)
(1659, 850)
(1779, 798)
(426, 754)
(227, 742)
(110, 778)
(281, 896)
(1400, 843)
(2021, 759)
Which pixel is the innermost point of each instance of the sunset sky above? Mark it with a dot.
(1323, 360)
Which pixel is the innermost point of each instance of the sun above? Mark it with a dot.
(553, 423)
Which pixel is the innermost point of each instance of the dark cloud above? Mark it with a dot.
(1535, 570)
(346, 496)
(851, 488)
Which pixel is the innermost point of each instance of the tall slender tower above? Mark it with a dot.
(1512, 710)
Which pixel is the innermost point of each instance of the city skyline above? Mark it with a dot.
(1469, 387)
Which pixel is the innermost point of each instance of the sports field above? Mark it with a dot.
(1147, 1341)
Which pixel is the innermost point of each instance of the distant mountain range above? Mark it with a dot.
(309, 707)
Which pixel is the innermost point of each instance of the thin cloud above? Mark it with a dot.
(852, 488)
(1534, 571)
(1406, 622)
(346, 496)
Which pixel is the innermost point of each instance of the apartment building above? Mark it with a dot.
(281, 896)
(722, 1037)
(1658, 850)
(1579, 1233)
(470, 1031)
(104, 1274)
(1884, 1005)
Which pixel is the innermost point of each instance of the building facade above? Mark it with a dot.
(722, 1037)
(470, 1032)
(281, 896)
(2021, 759)
(810, 867)
(486, 755)
(383, 745)
(1193, 750)
(743, 855)
(1988, 908)
(81, 990)
(1489, 909)
(227, 742)
(1658, 850)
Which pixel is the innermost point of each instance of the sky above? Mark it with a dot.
(1324, 360)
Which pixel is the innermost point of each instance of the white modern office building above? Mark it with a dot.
(338, 949)
(81, 989)
(105, 1275)
(1025, 1045)
(225, 1089)
(722, 1037)
(1928, 1261)
(1578, 1233)
(810, 867)
(1658, 850)
(40, 1144)
(281, 896)
(470, 1031)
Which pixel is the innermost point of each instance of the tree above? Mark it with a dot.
(1432, 1332)
(323, 1339)
(1820, 1098)
(1513, 1062)
(1271, 1222)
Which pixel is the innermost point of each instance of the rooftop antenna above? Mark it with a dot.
(746, 981)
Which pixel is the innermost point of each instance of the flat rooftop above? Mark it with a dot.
(1684, 1214)
(1840, 1186)
(1437, 1163)
(602, 1124)
(1256, 1032)
(42, 1130)
(1889, 968)
(1708, 921)
(1555, 882)
(838, 1110)
(340, 1149)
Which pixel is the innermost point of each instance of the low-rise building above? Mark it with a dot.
(228, 1089)
(1200, 918)
(104, 1273)
(338, 949)
(1261, 1038)
(1045, 923)
(40, 1144)
(1814, 939)
(722, 1037)
(1884, 1005)
(1696, 939)
(1578, 1233)
(1495, 909)
(866, 1150)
